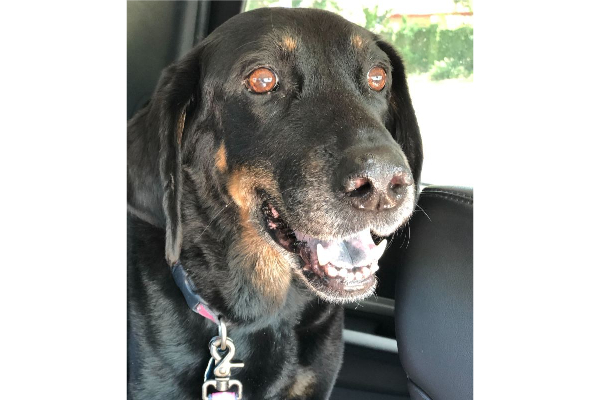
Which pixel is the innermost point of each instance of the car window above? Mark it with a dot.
(435, 39)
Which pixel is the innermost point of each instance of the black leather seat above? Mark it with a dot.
(434, 297)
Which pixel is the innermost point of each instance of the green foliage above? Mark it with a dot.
(444, 53)
(457, 45)
(418, 46)
(468, 4)
(330, 5)
(375, 21)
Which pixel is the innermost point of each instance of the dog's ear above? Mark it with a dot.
(402, 119)
(156, 179)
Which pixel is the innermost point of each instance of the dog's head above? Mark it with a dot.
(288, 141)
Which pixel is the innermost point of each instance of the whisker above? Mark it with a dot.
(394, 235)
(421, 208)
(214, 218)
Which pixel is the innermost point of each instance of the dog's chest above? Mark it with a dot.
(177, 369)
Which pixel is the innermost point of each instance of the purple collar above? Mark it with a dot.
(190, 292)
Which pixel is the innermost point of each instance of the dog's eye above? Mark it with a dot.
(376, 78)
(261, 80)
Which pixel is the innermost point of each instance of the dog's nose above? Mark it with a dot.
(375, 183)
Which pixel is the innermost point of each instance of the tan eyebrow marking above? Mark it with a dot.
(289, 43)
(357, 41)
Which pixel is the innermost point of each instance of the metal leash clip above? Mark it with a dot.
(222, 351)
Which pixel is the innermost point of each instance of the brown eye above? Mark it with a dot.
(376, 78)
(261, 80)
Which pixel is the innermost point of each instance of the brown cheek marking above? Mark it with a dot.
(242, 185)
(289, 43)
(357, 41)
(270, 271)
(221, 158)
(302, 386)
(239, 188)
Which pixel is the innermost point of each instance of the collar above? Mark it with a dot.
(200, 306)
(190, 292)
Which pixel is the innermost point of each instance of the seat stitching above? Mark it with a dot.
(449, 196)
(449, 192)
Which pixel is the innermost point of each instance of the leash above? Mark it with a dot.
(218, 372)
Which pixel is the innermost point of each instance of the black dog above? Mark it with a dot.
(267, 164)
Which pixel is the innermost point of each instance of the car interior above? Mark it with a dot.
(414, 338)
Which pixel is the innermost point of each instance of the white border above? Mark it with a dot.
(63, 200)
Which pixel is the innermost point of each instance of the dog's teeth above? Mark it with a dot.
(366, 271)
(332, 271)
(350, 276)
(322, 255)
(358, 276)
(378, 251)
(343, 272)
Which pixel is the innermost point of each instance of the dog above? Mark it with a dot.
(268, 163)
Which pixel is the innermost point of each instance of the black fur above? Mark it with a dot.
(187, 204)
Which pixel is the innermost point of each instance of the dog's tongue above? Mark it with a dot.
(355, 251)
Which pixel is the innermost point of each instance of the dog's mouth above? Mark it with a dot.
(337, 269)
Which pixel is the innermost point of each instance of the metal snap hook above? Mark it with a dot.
(223, 334)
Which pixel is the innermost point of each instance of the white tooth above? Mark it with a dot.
(366, 271)
(374, 267)
(358, 276)
(322, 255)
(343, 272)
(332, 271)
(350, 276)
(378, 251)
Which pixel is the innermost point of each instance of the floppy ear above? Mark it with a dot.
(159, 128)
(403, 121)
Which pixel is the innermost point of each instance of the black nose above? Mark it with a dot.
(375, 180)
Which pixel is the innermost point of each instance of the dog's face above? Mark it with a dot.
(296, 128)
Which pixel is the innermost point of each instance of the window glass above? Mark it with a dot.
(435, 39)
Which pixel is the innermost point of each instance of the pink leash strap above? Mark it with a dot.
(223, 396)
